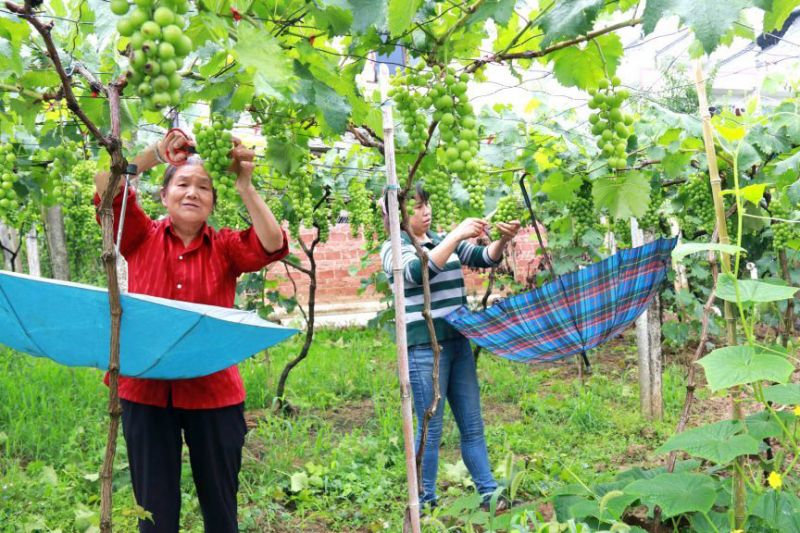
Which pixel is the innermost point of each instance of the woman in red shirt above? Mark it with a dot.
(182, 258)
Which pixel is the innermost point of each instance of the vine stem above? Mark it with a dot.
(119, 165)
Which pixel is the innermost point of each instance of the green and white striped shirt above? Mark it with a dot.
(447, 284)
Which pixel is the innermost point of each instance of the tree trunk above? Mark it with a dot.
(32, 253)
(57, 242)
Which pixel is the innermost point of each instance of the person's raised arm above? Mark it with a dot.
(266, 226)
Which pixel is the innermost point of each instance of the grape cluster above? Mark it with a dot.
(60, 182)
(442, 94)
(299, 194)
(358, 207)
(157, 48)
(581, 210)
(698, 206)
(651, 221)
(214, 147)
(509, 208)
(782, 232)
(9, 202)
(610, 125)
(437, 185)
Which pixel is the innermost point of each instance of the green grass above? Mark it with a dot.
(343, 449)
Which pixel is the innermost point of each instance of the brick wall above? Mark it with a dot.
(335, 283)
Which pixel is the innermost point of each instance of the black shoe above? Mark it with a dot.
(503, 504)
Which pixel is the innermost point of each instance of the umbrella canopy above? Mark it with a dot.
(573, 313)
(70, 323)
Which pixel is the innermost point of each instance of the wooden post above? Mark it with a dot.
(57, 242)
(32, 253)
(412, 510)
(643, 342)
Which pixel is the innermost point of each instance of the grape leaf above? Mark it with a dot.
(401, 13)
(582, 67)
(256, 48)
(368, 14)
(498, 10)
(624, 196)
(709, 22)
(777, 14)
(654, 10)
(566, 20)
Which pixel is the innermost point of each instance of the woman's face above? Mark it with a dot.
(420, 221)
(189, 196)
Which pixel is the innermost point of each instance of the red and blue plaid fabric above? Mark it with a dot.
(573, 313)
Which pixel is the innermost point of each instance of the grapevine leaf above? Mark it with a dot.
(258, 49)
(581, 67)
(674, 164)
(337, 18)
(498, 10)
(401, 13)
(704, 17)
(754, 193)
(561, 188)
(654, 10)
(207, 27)
(624, 196)
(778, 13)
(566, 20)
(787, 166)
(368, 14)
(14, 31)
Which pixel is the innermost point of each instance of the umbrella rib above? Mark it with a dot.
(171, 346)
(20, 322)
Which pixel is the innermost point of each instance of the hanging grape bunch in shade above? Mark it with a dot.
(157, 48)
(698, 206)
(582, 212)
(59, 183)
(783, 232)
(8, 196)
(214, 144)
(610, 125)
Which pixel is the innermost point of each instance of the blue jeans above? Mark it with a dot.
(458, 382)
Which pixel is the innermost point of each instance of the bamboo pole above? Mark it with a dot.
(412, 510)
(739, 495)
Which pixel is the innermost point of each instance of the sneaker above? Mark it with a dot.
(503, 504)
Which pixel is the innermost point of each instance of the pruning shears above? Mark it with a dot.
(188, 149)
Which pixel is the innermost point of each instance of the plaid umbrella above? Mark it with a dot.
(574, 312)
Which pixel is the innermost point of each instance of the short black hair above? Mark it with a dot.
(421, 192)
(170, 173)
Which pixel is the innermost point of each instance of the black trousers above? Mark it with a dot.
(215, 438)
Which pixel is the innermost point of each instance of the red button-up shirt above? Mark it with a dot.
(203, 272)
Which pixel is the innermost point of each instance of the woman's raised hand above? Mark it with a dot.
(470, 227)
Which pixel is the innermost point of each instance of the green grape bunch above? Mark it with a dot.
(300, 200)
(698, 206)
(60, 184)
(581, 211)
(509, 208)
(441, 93)
(610, 124)
(782, 232)
(651, 221)
(158, 47)
(9, 202)
(359, 206)
(214, 144)
(437, 185)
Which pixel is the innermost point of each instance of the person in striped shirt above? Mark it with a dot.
(458, 379)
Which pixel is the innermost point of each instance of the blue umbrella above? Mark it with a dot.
(572, 313)
(160, 339)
